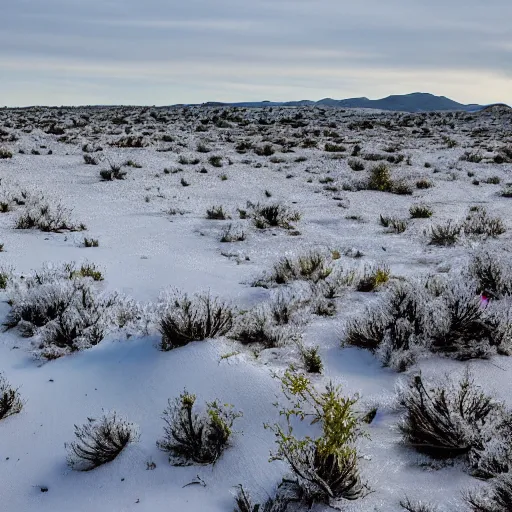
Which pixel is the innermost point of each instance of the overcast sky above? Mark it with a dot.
(160, 52)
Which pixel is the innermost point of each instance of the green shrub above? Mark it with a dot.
(192, 438)
(380, 178)
(325, 469)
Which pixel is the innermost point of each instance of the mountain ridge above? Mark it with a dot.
(413, 102)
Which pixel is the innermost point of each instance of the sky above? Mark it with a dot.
(162, 52)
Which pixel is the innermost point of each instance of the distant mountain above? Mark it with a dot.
(414, 102)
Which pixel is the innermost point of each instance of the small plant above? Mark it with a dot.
(420, 211)
(312, 266)
(401, 188)
(202, 148)
(395, 225)
(266, 150)
(4, 278)
(215, 161)
(274, 215)
(183, 160)
(231, 235)
(192, 438)
(100, 441)
(380, 178)
(216, 213)
(372, 278)
(89, 270)
(493, 180)
(277, 504)
(311, 360)
(356, 165)
(90, 160)
(185, 320)
(5, 153)
(445, 234)
(507, 191)
(416, 506)
(10, 401)
(91, 242)
(334, 148)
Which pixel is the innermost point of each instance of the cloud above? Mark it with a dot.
(127, 51)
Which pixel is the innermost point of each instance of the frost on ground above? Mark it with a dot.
(225, 308)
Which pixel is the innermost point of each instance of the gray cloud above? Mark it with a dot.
(158, 51)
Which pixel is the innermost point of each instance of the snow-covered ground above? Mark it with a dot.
(145, 247)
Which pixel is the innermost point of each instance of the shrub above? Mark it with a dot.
(5, 275)
(498, 498)
(463, 328)
(450, 420)
(493, 274)
(258, 327)
(507, 191)
(183, 160)
(334, 148)
(192, 438)
(277, 504)
(131, 163)
(202, 148)
(312, 266)
(356, 165)
(10, 401)
(325, 469)
(473, 157)
(40, 214)
(216, 213)
(184, 182)
(231, 235)
(266, 150)
(185, 320)
(100, 441)
(273, 215)
(5, 153)
(420, 211)
(493, 180)
(373, 277)
(445, 234)
(401, 188)
(311, 359)
(380, 178)
(89, 270)
(423, 184)
(479, 223)
(91, 242)
(215, 161)
(403, 323)
(63, 309)
(395, 225)
(416, 506)
(90, 160)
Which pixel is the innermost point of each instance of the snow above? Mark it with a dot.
(144, 250)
